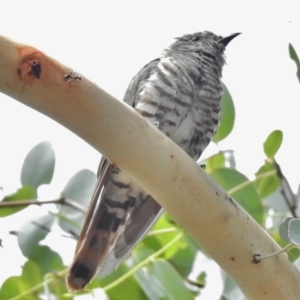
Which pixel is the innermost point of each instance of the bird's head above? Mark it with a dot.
(203, 44)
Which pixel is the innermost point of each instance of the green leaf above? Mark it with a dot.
(215, 162)
(32, 232)
(78, 189)
(284, 229)
(293, 254)
(231, 290)
(277, 237)
(24, 193)
(17, 285)
(289, 231)
(139, 255)
(220, 160)
(273, 143)
(227, 116)
(184, 257)
(168, 282)
(149, 287)
(38, 166)
(152, 242)
(128, 287)
(275, 204)
(294, 57)
(31, 273)
(160, 280)
(294, 231)
(269, 184)
(156, 242)
(247, 196)
(52, 263)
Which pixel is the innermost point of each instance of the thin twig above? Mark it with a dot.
(249, 182)
(35, 288)
(30, 202)
(257, 257)
(62, 200)
(143, 263)
(74, 205)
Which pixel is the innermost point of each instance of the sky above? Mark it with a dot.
(109, 41)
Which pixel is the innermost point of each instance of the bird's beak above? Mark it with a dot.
(225, 41)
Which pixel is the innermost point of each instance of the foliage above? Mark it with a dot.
(160, 266)
(295, 58)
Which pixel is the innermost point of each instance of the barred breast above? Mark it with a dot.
(183, 100)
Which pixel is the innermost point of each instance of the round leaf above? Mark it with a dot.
(160, 280)
(53, 261)
(273, 143)
(168, 283)
(214, 162)
(247, 196)
(147, 284)
(294, 231)
(267, 185)
(78, 189)
(129, 287)
(33, 231)
(293, 254)
(38, 166)
(183, 259)
(227, 116)
(284, 229)
(16, 285)
(24, 193)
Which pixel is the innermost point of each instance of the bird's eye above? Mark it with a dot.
(195, 38)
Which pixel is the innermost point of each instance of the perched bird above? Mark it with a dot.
(179, 93)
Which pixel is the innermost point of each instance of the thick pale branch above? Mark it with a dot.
(224, 229)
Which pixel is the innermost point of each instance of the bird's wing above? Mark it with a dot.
(103, 172)
(137, 83)
(146, 212)
(140, 221)
(119, 216)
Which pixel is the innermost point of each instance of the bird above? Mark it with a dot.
(180, 94)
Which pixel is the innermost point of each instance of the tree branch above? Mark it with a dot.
(224, 230)
(62, 200)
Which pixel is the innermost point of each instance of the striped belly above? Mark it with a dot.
(174, 103)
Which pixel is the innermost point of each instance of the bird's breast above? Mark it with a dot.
(177, 104)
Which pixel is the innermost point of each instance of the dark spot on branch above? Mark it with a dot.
(256, 259)
(227, 197)
(36, 69)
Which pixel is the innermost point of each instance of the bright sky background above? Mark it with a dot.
(109, 41)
